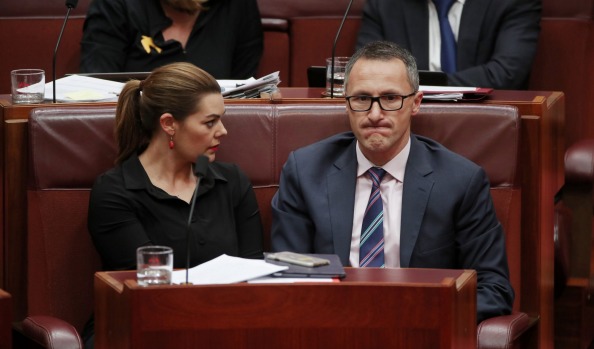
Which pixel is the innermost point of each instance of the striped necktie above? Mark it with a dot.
(448, 42)
(371, 248)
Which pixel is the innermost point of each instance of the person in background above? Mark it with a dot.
(482, 43)
(223, 37)
(381, 196)
(162, 125)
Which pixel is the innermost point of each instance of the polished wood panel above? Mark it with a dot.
(370, 308)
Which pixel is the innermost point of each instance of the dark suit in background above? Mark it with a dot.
(496, 42)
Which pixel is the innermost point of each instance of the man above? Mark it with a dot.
(436, 209)
(495, 40)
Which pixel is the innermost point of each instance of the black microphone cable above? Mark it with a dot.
(200, 168)
(334, 48)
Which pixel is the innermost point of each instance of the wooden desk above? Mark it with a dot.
(371, 308)
(543, 147)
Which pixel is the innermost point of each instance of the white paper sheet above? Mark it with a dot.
(226, 270)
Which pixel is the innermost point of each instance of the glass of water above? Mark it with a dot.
(27, 86)
(154, 265)
(335, 83)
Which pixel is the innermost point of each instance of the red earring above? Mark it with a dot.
(171, 143)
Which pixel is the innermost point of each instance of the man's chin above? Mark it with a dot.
(375, 137)
(375, 143)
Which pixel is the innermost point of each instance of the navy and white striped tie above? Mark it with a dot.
(371, 248)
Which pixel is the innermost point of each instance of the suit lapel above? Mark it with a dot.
(415, 195)
(416, 17)
(473, 15)
(341, 198)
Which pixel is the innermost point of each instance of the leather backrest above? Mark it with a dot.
(288, 9)
(69, 147)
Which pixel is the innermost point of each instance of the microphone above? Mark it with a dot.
(70, 4)
(334, 48)
(200, 168)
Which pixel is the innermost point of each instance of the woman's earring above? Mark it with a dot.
(171, 143)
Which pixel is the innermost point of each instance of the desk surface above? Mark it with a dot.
(357, 276)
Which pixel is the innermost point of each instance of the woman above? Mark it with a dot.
(162, 125)
(223, 37)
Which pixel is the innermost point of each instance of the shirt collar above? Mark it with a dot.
(394, 167)
(135, 176)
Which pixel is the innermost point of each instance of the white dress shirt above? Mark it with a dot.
(454, 17)
(391, 191)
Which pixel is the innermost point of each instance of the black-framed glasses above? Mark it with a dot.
(389, 102)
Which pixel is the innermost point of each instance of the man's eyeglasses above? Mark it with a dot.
(389, 102)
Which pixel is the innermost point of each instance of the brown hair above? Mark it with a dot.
(175, 88)
(385, 51)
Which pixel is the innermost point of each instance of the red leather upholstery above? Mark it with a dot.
(51, 332)
(579, 163)
(69, 147)
(504, 331)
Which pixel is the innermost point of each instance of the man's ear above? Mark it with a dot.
(417, 102)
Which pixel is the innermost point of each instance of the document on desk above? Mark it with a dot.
(226, 270)
(77, 88)
(251, 88)
(453, 93)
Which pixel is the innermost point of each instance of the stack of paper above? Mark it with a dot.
(453, 93)
(77, 88)
(251, 88)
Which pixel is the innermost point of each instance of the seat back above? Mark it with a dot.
(67, 151)
(69, 147)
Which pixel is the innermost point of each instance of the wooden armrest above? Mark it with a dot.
(504, 332)
(51, 332)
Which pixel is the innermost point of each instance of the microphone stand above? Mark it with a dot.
(200, 168)
(188, 229)
(334, 48)
(70, 5)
